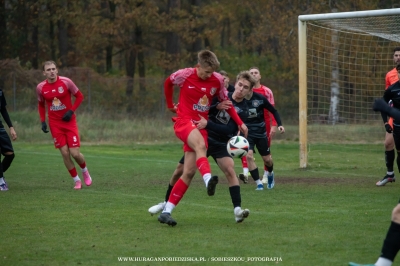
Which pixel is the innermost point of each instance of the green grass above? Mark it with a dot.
(326, 215)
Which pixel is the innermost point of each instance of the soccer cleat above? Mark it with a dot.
(240, 214)
(165, 218)
(212, 183)
(4, 187)
(244, 178)
(157, 208)
(271, 181)
(78, 185)
(87, 178)
(260, 187)
(265, 179)
(356, 264)
(386, 179)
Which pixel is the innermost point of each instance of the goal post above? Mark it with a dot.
(343, 60)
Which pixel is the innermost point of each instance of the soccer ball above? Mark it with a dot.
(238, 146)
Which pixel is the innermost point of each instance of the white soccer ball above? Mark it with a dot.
(238, 146)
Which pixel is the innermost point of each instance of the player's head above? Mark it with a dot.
(50, 70)
(226, 78)
(396, 55)
(207, 63)
(244, 84)
(256, 73)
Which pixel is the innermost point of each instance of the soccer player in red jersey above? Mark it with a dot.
(270, 123)
(56, 92)
(391, 77)
(197, 88)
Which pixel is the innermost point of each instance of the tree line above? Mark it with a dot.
(155, 37)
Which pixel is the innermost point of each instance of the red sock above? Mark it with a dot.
(177, 192)
(244, 162)
(265, 168)
(83, 165)
(73, 172)
(203, 165)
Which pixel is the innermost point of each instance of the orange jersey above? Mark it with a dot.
(391, 77)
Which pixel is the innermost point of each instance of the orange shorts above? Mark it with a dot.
(183, 127)
(65, 133)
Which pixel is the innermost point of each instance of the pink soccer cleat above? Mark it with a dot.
(78, 185)
(87, 178)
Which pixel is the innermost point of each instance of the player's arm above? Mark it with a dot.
(168, 93)
(6, 117)
(210, 125)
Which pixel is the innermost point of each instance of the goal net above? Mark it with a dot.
(343, 60)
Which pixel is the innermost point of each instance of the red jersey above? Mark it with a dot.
(57, 95)
(196, 94)
(267, 92)
(391, 77)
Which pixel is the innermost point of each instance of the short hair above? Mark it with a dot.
(206, 58)
(396, 49)
(254, 67)
(224, 73)
(247, 76)
(48, 63)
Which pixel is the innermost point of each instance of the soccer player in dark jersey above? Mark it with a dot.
(220, 128)
(270, 123)
(391, 244)
(5, 142)
(197, 88)
(391, 78)
(55, 92)
(257, 136)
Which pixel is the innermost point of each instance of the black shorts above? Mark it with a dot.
(5, 142)
(261, 144)
(217, 149)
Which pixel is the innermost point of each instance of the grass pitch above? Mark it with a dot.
(329, 214)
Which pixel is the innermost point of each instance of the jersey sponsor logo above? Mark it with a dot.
(53, 91)
(252, 113)
(256, 103)
(57, 105)
(60, 89)
(223, 117)
(203, 89)
(213, 90)
(202, 105)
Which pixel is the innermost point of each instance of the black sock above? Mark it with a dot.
(254, 174)
(389, 160)
(235, 196)
(270, 168)
(168, 192)
(7, 161)
(391, 245)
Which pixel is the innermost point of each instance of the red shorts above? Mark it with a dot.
(390, 122)
(183, 127)
(65, 133)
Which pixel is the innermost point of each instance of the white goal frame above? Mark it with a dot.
(302, 35)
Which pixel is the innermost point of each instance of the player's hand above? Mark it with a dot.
(175, 108)
(224, 105)
(281, 129)
(202, 123)
(44, 127)
(273, 131)
(13, 133)
(68, 115)
(243, 128)
(388, 128)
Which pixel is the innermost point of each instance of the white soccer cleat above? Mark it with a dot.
(265, 179)
(157, 208)
(240, 214)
